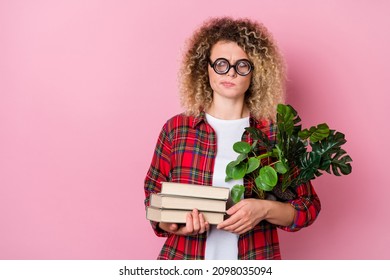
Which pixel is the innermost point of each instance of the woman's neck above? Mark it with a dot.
(228, 110)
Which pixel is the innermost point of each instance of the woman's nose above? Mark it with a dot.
(232, 72)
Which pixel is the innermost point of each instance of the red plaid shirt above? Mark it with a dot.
(185, 152)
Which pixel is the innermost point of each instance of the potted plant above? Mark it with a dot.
(293, 158)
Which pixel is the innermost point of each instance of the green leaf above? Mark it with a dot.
(281, 168)
(294, 148)
(235, 168)
(238, 171)
(330, 144)
(340, 163)
(253, 164)
(242, 147)
(289, 146)
(260, 136)
(241, 157)
(325, 162)
(253, 146)
(229, 170)
(254, 132)
(309, 164)
(304, 134)
(286, 118)
(315, 133)
(261, 185)
(236, 193)
(268, 175)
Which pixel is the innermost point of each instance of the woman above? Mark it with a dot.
(232, 77)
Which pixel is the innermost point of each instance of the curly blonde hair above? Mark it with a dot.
(268, 78)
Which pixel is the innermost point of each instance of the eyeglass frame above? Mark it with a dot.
(231, 66)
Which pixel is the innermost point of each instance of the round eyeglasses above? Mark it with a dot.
(222, 66)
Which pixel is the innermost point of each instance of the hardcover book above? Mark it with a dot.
(179, 216)
(181, 189)
(187, 203)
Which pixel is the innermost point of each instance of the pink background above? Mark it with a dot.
(85, 87)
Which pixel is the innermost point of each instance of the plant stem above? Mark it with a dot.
(269, 154)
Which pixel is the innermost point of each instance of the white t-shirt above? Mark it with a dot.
(221, 244)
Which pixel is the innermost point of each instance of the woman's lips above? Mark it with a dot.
(228, 84)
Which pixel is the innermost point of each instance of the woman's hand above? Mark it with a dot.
(244, 215)
(247, 213)
(195, 224)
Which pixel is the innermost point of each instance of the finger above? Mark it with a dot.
(202, 223)
(168, 227)
(234, 208)
(189, 228)
(207, 226)
(229, 222)
(241, 229)
(236, 221)
(233, 227)
(195, 221)
(173, 227)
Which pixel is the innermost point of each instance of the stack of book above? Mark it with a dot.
(177, 199)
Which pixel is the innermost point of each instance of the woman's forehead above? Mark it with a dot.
(228, 48)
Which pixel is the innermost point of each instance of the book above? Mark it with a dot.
(179, 216)
(181, 189)
(187, 203)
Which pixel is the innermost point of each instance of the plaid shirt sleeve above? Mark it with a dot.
(307, 206)
(158, 172)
